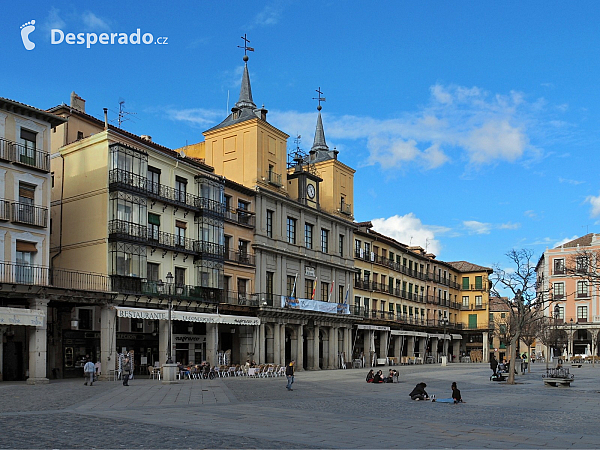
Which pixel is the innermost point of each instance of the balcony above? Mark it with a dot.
(29, 214)
(4, 210)
(169, 241)
(240, 298)
(240, 257)
(209, 250)
(120, 179)
(20, 154)
(345, 208)
(129, 231)
(240, 217)
(141, 286)
(273, 178)
(44, 276)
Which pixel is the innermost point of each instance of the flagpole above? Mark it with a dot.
(294, 288)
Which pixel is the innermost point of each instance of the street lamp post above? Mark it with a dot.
(556, 317)
(169, 375)
(572, 339)
(445, 323)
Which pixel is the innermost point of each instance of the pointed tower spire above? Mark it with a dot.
(245, 100)
(319, 143)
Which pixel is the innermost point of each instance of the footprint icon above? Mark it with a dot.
(26, 30)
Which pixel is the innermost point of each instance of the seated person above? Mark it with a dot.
(419, 392)
(378, 378)
(456, 393)
(370, 376)
(390, 377)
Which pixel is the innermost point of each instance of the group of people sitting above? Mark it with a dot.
(419, 393)
(377, 377)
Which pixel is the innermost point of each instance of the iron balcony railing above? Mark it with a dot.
(209, 249)
(383, 261)
(124, 230)
(4, 210)
(142, 286)
(29, 214)
(121, 178)
(240, 217)
(44, 276)
(274, 178)
(346, 208)
(20, 154)
(240, 257)
(170, 241)
(240, 298)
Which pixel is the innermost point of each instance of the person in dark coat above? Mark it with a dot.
(370, 376)
(456, 393)
(419, 392)
(289, 373)
(494, 366)
(378, 378)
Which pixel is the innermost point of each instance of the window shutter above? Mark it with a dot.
(26, 191)
(180, 224)
(154, 219)
(23, 246)
(28, 135)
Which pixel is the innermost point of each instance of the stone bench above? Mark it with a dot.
(556, 381)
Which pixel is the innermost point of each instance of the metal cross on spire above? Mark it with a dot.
(319, 98)
(245, 47)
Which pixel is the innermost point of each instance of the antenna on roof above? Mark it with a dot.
(122, 115)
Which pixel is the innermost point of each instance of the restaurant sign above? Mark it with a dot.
(163, 314)
(22, 316)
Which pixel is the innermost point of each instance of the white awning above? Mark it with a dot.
(163, 314)
(456, 336)
(440, 336)
(22, 316)
(373, 327)
(401, 333)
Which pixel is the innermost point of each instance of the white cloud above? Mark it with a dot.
(595, 202)
(54, 20)
(530, 213)
(94, 23)
(495, 140)
(269, 15)
(564, 241)
(509, 226)
(574, 182)
(409, 230)
(476, 227)
(195, 116)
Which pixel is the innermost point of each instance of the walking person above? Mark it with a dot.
(289, 373)
(126, 371)
(88, 371)
(494, 366)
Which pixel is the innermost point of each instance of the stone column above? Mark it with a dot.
(277, 343)
(348, 346)
(282, 349)
(211, 342)
(397, 348)
(434, 349)
(368, 344)
(261, 347)
(456, 350)
(332, 354)
(383, 344)
(316, 349)
(37, 345)
(108, 340)
(300, 347)
(336, 347)
(410, 346)
(486, 348)
(2, 331)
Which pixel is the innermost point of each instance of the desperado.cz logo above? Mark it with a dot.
(57, 36)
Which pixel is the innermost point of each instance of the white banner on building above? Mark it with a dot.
(163, 314)
(22, 316)
(314, 305)
(373, 327)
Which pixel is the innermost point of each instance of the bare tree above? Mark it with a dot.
(525, 303)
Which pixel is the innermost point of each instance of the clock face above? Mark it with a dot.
(310, 190)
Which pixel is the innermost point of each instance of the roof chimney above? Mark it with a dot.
(77, 102)
(146, 137)
(106, 118)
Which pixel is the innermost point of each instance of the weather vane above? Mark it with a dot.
(319, 98)
(245, 47)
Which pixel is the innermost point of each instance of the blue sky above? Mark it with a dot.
(473, 126)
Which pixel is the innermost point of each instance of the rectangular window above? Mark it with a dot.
(153, 226)
(25, 252)
(290, 285)
(324, 292)
(291, 230)
(559, 266)
(27, 147)
(309, 287)
(179, 276)
(478, 282)
(152, 272)
(465, 283)
(341, 297)
(472, 321)
(324, 240)
(269, 223)
(582, 288)
(357, 247)
(559, 291)
(478, 301)
(341, 246)
(243, 251)
(581, 264)
(180, 189)
(228, 203)
(153, 180)
(308, 235)
(269, 286)
(241, 288)
(367, 250)
(180, 228)
(582, 313)
(465, 301)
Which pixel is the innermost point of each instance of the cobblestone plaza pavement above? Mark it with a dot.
(326, 409)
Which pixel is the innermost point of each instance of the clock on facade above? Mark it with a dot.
(310, 190)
